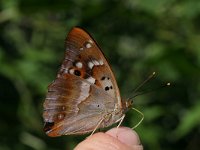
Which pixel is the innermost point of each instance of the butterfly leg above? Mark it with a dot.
(120, 120)
(97, 126)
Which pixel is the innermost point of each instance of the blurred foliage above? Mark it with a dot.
(138, 37)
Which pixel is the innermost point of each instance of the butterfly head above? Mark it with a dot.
(127, 104)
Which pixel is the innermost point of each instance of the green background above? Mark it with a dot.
(137, 36)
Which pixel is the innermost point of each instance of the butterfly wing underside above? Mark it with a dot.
(84, 92)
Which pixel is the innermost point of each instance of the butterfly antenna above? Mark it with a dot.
(151, 90)
(144, 82)
(144, 92)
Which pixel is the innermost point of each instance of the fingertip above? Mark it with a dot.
(117, 138)
(125, 135)
(98, 141)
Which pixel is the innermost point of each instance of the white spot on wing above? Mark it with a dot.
(93, 63)
(65, 70)
(90, 41)
(88, 45)
(81, 48)
(71, 71)
(101, 62)
(60, 116)
(90, 65)
(96, 63)
(79, 65)
(50, 98)
(91, 80)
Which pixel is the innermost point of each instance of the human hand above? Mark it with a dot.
(122, 138)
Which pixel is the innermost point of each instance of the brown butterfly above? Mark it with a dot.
(84, 95)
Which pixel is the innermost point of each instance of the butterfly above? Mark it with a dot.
(85, 95)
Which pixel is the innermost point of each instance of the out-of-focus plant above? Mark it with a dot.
(138, 37)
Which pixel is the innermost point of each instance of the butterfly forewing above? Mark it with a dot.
(84, 58)
(84, 92)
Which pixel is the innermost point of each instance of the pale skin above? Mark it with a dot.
(121, 138)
